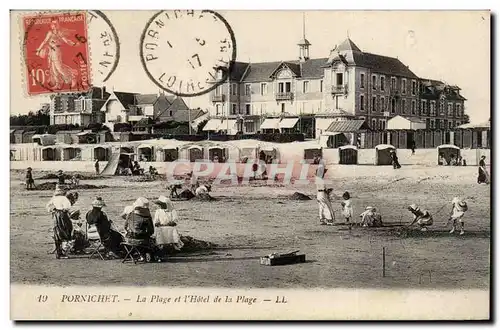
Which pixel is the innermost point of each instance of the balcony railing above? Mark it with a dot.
(218, 98)
(284, 96)
(339, 89)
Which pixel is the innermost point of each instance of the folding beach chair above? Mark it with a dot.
(95, 242)
(135, 249)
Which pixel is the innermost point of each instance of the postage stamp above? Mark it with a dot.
(188, 52)
(56, 53)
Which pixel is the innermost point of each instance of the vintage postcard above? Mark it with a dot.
(250, 165)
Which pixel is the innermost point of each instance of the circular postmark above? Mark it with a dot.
(187, 52)
(56, 50)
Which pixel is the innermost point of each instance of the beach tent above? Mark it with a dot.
(348, 155)
(448, 150)
(145, 152)
(383, 154)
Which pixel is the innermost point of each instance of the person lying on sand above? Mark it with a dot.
(203, 190)
(421, 217)
(172, 188)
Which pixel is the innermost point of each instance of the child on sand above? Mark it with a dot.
(459, 207)
(347, 207)
(422, 217)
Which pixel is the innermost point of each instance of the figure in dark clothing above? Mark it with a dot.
(483, 176)
(139, 223)
(96, 165)
(413, 147)
(30, 183)
(395, 161)
(60, 177)
(110, 238)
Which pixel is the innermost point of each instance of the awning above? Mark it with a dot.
(288, 122)
(448, 146)
(12, 131)
(212, 125)
(83, 133)
(143, 146)
(270, 123)
(347, 126)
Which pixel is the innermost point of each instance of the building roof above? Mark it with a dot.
(98, 93)
(125, 98)
(347, 126)
(433, 89)
(383, 64)
(263, 71)
(182, 115)
(238, 70)
(145, 98)
(347, 45)
(304, 42)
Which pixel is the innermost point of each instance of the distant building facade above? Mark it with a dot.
(349, 83)
(78, 109)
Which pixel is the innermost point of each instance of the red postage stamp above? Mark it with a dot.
(56, 53)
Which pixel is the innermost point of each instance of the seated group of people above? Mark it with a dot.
(158, 232)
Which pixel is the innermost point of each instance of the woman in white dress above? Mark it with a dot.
(326, 214)
(165, 220)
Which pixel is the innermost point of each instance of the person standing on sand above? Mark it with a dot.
(347, 207)
(59, 206)
(483, 176)
(395, 160)
(96, 165)
(326, 214)
(30, 183)
(413, 147)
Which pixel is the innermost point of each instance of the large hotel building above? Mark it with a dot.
(306, 95)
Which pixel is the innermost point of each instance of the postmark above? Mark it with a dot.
(56, 53)
(187, 52)
(104, 46)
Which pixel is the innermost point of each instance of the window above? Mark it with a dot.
(247, 89)
(247, 109)
(374, 82)
(450, 109)
(403, 86)
(459, 109)
(306, 86)
(450, 124)
(413, 87)
(263, 89)
(171, 113)
(263, 108)
(362, 102)
(288, 87)
(374, 123)
(442, 124)
(382, 124)
(217, 110)
(340, 79)
(382, 83)
(433, 108)
(403, 106)
(393, 83)
(233, 89)
(233, 109)
(458, 123)
(413, 107)
(321, 86)
(432, 123)
(374, 103)
(441, 107)
(218, 90)
(424, 107)
(362, 80)
(382, 104)
(393, 106)
(282, 107)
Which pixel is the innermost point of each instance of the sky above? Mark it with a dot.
(452, 46)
